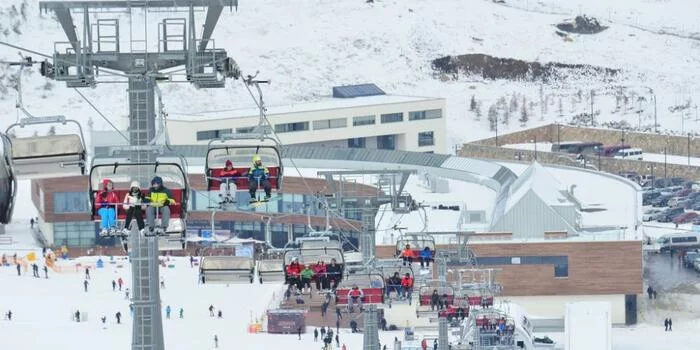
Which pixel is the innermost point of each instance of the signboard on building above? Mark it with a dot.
(286, 321)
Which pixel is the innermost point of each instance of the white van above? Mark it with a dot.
(629, 153)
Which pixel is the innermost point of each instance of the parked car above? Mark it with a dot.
(670, 214)
(693, 195)
(650, 214)
(648, 197)
(669, 191)
(685, 218)
(676, 181)
(682, 192)
(673, 202)
(661, 201)
(690, 258)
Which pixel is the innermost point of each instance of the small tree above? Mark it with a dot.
(531, 106)
(472, 104)
(493, 118)
(477, 111)
(52, 131)
(513, 103)
(506, 116)
(523, 116)
(560, 108)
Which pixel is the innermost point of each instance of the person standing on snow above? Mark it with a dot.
(258, 176)
(87, 273)
(315, 334)
(162, 282)
(114, 285)
(120, 282)
(216, 341)
(167, 312)
(118, 315)
(46, 272)
(85, 285)
(126, 293)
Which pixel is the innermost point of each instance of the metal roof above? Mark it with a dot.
(350, 91)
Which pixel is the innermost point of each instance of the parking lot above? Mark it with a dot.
(665, 273)
(674, 200)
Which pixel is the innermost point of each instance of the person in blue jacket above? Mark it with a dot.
(426, 256)
(259, 175)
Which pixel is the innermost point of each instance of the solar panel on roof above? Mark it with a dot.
(350, 91)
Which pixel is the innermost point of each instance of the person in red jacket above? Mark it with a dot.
(293, 273)
(106, 205)
(320, 273)
(407, 286)
(355, 297)
(228, 183)
(407, 255)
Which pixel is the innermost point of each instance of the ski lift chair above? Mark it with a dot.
(50, 155)
(122, 174)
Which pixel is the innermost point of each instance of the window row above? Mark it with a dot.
(205, 135)
(356, 121)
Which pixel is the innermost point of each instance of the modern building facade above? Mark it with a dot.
(352, 119)
(64, 212)
(543, 275)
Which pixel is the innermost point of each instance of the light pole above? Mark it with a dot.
(665, 174)
(689, 148)
(535, 142)
(651, 168)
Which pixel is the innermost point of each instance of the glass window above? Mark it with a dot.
(561, 270)
(386, 142)
(70, 202)
(429, 114)
(77, 234)
(244, 130)
(364, 120)
(392, 118)
(211, 134)
(426, 139)
(290, 127)
(357, 142)
(330, 123)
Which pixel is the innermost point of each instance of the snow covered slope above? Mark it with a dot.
(306, 47)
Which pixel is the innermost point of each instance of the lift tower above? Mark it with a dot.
(144, 62)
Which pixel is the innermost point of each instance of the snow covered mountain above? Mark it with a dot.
(306, 47)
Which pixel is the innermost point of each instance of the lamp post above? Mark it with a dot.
(689, 135)
(651, 168)
(535, 142)
(665, 173)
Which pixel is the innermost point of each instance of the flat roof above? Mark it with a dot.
(325, 103)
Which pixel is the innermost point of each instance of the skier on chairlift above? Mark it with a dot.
(133, 205)
(159, 198)
(259, 175)
(106, 203)
(228, 184)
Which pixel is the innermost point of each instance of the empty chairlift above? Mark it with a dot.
(51, 155)
(8, 181)
(228, 269)
(234, 183)
(121, 175)
(271, 270)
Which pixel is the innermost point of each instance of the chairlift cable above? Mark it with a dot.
(100, 113)
(103, 70)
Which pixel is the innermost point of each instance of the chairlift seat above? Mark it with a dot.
(371, 296)
(241, 181)
(48, 155)
(175, 209)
